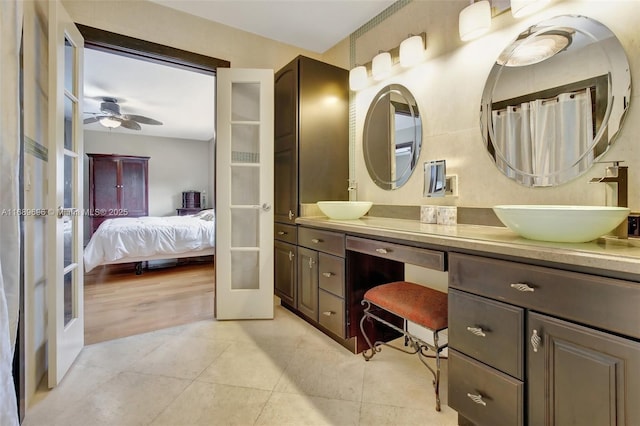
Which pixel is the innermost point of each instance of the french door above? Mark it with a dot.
(65, 268)
(244, 194)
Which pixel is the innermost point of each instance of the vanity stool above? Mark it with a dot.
(411, 302)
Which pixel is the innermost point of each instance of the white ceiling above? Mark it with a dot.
(315, 25)
(184, 100)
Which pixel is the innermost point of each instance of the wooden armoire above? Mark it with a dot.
(118, 187)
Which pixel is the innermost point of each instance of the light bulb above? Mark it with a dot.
(474, 20)
(358, 78)
(411, 51)
(381, 66)
(110, 122)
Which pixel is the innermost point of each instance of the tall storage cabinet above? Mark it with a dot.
(118, 187)
(311, 156)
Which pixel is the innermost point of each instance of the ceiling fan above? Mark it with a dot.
(110, 116)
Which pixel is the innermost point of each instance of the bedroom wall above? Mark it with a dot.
(175, 165)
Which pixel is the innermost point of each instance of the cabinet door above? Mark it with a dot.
(285, 272)
(286, 144)
(133, 186)
(104, 184)
(580, 376)
(308, 283)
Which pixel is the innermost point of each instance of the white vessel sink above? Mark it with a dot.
(568, 224)
(344, 210)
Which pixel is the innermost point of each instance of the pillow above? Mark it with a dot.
(208, 215)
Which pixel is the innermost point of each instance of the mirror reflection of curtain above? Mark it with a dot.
(546, 137)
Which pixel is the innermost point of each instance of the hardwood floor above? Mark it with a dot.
(118, 303)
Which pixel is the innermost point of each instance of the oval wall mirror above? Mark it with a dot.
(392, 137)
(555, 100)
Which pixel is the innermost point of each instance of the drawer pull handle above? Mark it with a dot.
(477, 399)
(282, 233)
(382, 250)
(328, 274)
(535, 340)
(291, 256)
(478, 331)
(316, 241)
(522, 287)
(328, 313)
(311, 262)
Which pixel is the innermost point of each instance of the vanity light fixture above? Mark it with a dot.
(110, 122)
(520, 8)
(412, 50)
(381, 66)
(358, 78)
(474, 20)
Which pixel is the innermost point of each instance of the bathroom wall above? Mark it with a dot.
(448, 87)
(152, 22)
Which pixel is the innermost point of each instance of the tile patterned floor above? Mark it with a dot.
(281, 372)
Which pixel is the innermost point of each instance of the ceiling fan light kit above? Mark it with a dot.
(110, 122)
(110, 117)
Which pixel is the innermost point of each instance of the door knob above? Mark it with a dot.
(266, 207)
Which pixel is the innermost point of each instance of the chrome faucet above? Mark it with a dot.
(618, 175)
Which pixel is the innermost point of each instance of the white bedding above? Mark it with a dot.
(148, 237)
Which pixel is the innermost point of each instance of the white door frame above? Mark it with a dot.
(65, 335)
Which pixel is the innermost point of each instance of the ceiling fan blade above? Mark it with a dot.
(142, 119)
(130, 124)
(92, 119)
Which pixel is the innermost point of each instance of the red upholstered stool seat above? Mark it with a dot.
(413, 302)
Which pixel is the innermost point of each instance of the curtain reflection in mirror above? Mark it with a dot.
(540, 141)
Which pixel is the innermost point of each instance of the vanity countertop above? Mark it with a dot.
(610, 254)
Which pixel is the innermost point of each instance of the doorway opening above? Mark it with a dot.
(170, 290)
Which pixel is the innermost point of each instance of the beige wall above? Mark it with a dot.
(448, 88)
(152, 22)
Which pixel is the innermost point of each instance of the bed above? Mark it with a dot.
(140, 239)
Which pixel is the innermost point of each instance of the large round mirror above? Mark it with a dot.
(392, 137)
(555, 100)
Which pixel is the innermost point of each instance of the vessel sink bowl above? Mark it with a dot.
(344, 210)
(566, 224)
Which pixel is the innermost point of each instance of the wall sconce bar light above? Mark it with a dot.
(520, 8)
(410, 52)
(474, 20)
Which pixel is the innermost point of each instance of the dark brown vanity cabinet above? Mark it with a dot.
(540, 346)
(285, 259)
(321, 283)
(311, 136)
(311, 164)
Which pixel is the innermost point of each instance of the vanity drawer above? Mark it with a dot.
(489, 331)
(326, 241)
(286, 233)
(482, 394)
(413, 255)
(331, 314)
(605, 303)
(331, 274)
